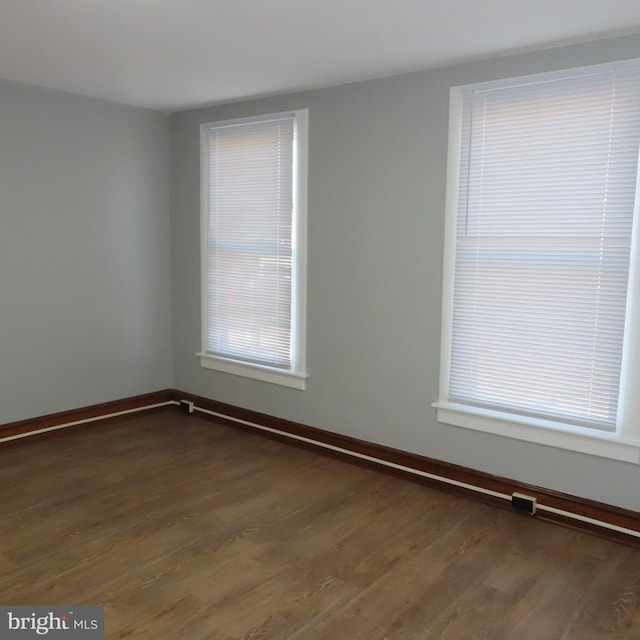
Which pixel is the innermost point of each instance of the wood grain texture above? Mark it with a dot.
(83, 413)
(185, 529)
(572, 504)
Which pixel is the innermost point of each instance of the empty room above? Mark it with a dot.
(320, 319)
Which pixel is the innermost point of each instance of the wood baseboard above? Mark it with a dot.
(405, 464)
(75, 418)
(614, 523)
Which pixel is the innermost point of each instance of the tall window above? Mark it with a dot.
(253, 252)
(542, 204)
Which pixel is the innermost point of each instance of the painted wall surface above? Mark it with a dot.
(377, 165)
(84, 252)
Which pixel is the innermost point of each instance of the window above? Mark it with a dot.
(253, 247)
(539, 300)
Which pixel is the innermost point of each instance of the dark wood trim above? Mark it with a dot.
(83, 413)
(581, 506)
(572, 504)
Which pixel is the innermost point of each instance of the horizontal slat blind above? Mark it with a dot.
(545, 210)
(249, 250)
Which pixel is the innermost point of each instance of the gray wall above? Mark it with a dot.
(377, 161)
(84, 252)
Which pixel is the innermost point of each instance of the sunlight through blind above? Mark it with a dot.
(546, 201)
(248, 237)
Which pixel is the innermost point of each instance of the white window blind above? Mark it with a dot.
(546, 201)
(249, 241)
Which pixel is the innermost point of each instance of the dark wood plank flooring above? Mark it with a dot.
(186, 529)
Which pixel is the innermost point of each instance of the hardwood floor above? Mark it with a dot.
(185, 529)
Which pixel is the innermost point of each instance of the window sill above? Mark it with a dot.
(256, 372)
(589, 441)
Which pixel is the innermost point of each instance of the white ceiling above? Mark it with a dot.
(174, 54)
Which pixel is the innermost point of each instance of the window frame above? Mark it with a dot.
(295, 377)
(624, 443)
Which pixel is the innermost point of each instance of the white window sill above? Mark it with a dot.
(256, 372)
(590, 441)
